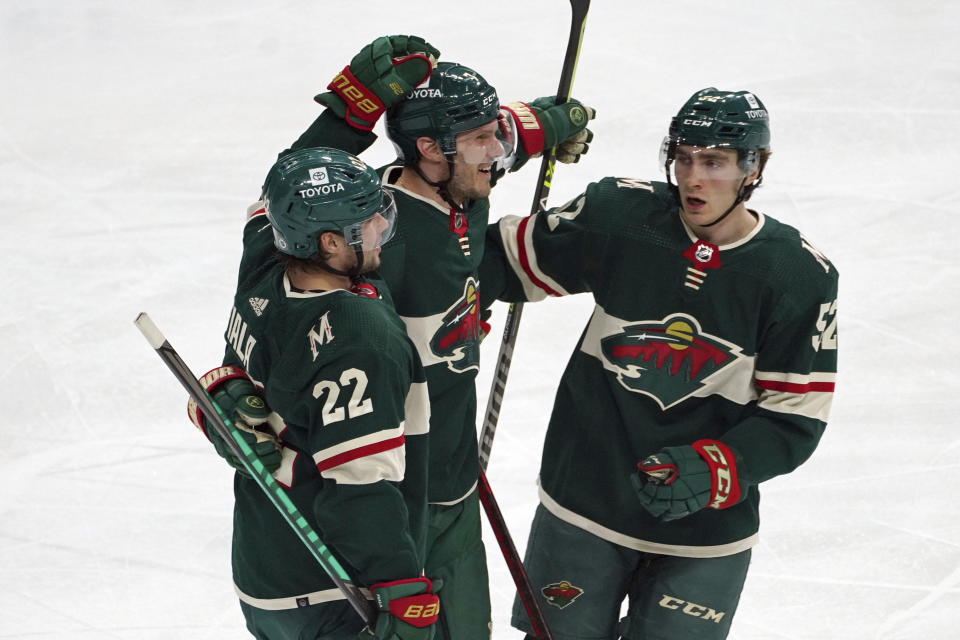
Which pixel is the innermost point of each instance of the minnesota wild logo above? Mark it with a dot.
(667, 360)
(458, 339)
(561, 594)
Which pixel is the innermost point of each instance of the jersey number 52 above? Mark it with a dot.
(827, 326)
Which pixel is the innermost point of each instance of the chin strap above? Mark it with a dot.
(441, 186)
(353, 273)
(742, 191)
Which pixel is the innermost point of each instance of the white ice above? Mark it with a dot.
(133, 135)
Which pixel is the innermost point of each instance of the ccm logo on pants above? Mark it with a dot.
(691, 609)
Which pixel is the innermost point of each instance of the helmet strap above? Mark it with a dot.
(353, 273)
(740, 196)
(442, 186)
(742, 193)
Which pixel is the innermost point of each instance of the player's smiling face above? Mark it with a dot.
(708, 180)
(476, 151)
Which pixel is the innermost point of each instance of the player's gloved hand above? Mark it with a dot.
(378, 77)
(244, 404)
(678, 481)
(485, 326)
(408, 610)
(543, 124)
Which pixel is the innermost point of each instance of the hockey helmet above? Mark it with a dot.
(454, 99)
(311, 191)
(720, 119)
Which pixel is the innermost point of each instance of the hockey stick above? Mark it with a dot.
(524, 589)
(497, 524)
(505, 355)
(243, 452)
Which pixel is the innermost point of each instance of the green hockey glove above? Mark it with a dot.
(244, 404)
(543, 124)
(378, 77)
(408, 610)
(678, 481)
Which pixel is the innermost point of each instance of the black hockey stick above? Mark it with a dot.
(243, 452)
(494, 516)
(505, 355)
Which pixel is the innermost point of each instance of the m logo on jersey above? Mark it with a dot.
(458, 339)
(561, 594)
(320, 334)
(667, 360)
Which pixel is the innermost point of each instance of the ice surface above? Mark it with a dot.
(134, 134)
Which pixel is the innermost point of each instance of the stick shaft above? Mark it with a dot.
(239, 447)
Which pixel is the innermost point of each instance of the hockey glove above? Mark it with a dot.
(244, 404)
(378, 77)
(543, 124)
(408, 610)
(678, 481)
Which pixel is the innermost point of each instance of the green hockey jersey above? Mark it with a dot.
(339, 369)
(687, 341)
(431, 268)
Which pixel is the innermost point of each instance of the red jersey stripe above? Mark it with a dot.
(360, 452)
(793, 387)
(525, 259)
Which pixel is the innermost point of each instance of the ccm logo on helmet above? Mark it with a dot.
(697, 123)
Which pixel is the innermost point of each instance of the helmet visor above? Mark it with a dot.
(710, 163)
(487, 144)
(375, 230)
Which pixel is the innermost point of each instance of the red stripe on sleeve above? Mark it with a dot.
(793, 387)
(525, 259)
(360, 452)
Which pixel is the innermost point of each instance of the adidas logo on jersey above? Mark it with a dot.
(258, 305)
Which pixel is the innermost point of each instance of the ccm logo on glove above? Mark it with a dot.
(724, 488)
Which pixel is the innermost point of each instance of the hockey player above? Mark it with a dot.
(310, 338)
(707, 367)
(453, 140)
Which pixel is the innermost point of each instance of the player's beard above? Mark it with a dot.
(371, 261)
(469, 182)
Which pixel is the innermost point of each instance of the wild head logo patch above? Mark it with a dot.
(561, 594)
(667, 360)
(458, 339)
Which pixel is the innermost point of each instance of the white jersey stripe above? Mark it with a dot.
(416, 410)
(370, 458)
(516, 247)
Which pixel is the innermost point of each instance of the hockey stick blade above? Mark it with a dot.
(264, 479)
